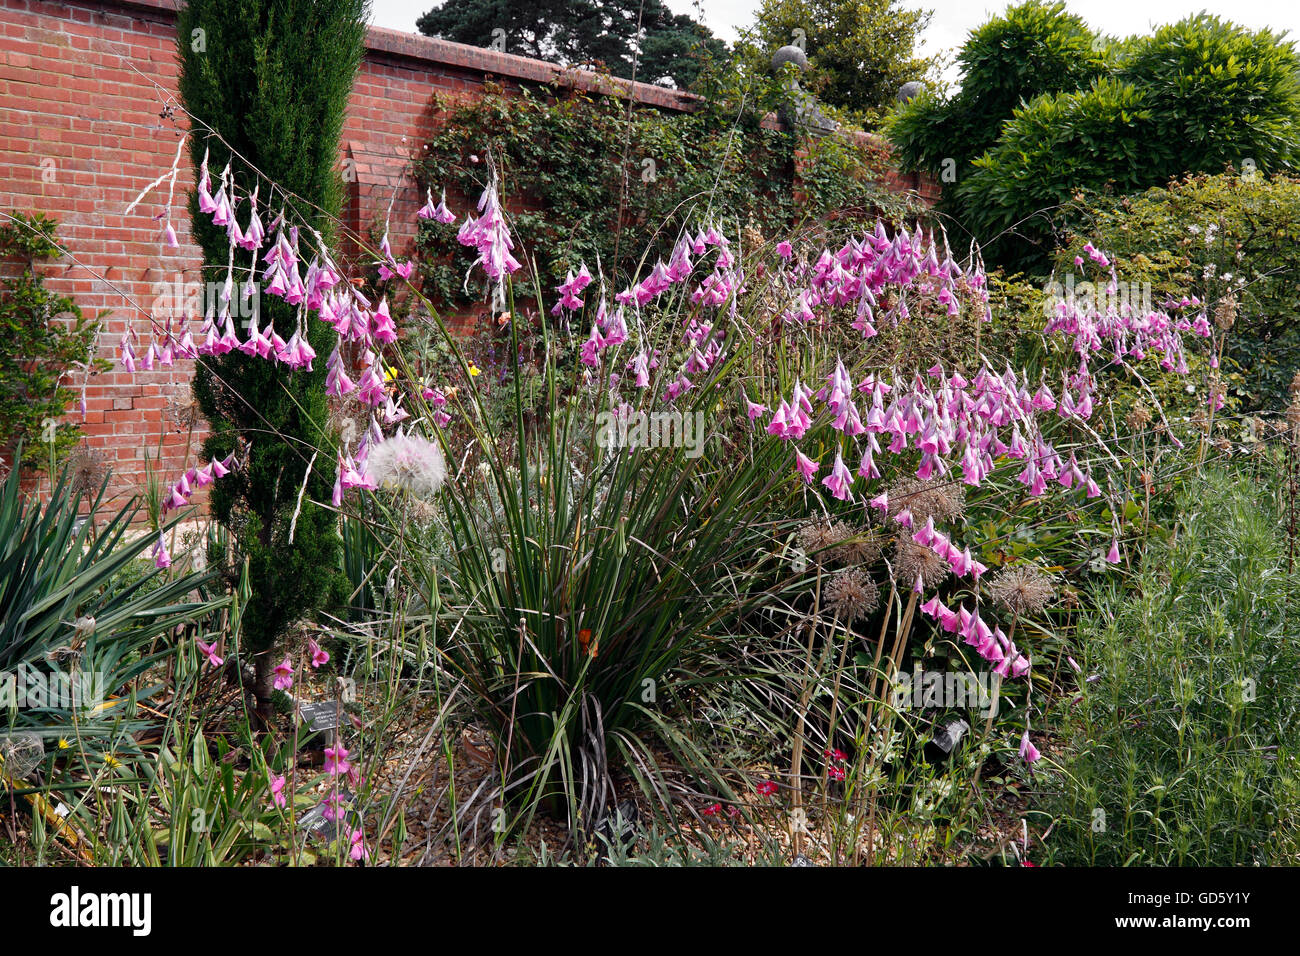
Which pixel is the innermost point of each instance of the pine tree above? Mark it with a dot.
(625, 36)
(271, 78)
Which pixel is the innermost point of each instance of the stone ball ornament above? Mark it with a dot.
(790, 54)
(909, 91)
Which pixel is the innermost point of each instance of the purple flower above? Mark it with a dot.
(277, 791)
(319, 656)
(807, 467)
(1027, 750)
(336, 760)
(284, 674)
(839, 480)
(210, 651)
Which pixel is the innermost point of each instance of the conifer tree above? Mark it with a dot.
(271, 79)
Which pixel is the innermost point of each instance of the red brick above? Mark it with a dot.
(67, 95)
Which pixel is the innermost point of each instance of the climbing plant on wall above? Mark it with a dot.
(590, 181)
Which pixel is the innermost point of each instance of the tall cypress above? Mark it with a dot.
(272, 78)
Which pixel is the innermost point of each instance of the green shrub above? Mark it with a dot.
(40, 348)
(1221, 94)
(1211, 235)
(1048, 110)
(1195, 97)
(1050, 150)
(1033, 49)
(1180, 748)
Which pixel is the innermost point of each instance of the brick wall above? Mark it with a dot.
(84, 126)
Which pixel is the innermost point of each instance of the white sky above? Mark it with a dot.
(953, 19)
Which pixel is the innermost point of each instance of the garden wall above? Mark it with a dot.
(87, 91)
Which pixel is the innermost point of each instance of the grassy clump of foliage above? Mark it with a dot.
(1181, 746)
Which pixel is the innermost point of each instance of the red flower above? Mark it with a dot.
(839, 756)
(767, 788)
(836, 773)
(712, 810)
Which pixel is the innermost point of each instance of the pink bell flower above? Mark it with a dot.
(319, 656)
(806, 466)
(210, 652)
(283, 674)
(336, 760)
(278, 798)
(839, 480)
(1028, 752)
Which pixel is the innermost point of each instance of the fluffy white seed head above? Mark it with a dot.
(408, 462)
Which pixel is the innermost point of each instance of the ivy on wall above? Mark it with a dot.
(591, 181)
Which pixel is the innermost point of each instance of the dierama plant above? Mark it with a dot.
(589, 561)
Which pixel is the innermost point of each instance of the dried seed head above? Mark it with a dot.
(1138, 417)
(408, 462)
(912, 559)
(852, 595)
(183, 408)
(821, 539)
(1023, 589)
(421, 512)
(863, 548)
(1225, 313)
(87, 470)
(941, 500)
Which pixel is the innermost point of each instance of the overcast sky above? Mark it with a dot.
(953, 19)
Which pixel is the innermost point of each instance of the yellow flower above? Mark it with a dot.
(390, 374)
(111, 761)
(474, 370)
(63, 743)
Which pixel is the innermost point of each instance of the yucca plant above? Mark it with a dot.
(579, 579)
(65, 611)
